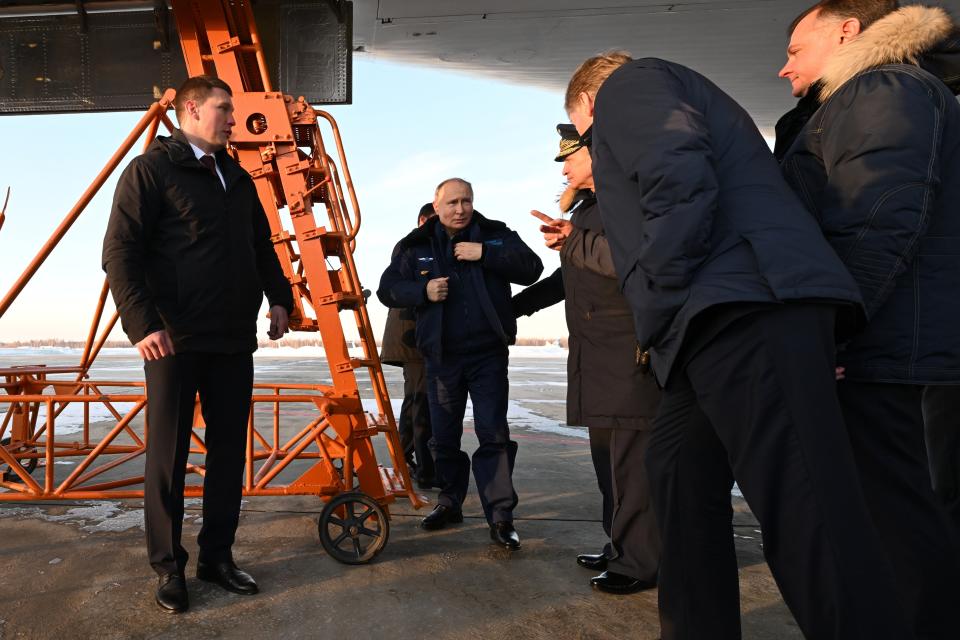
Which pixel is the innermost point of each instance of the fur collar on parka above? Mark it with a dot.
(572, 197)
(900, 37)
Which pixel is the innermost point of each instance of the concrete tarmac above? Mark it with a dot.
(79, 570)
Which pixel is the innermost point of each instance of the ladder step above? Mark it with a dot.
(376, 420)
(392, 482)
(343, 300)
(356, 363)
(304, 324)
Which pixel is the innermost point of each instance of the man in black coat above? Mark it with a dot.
(878, 164)
(609, 390)
(456, 271)
(400, 349)
(735, 294)
(188, 257)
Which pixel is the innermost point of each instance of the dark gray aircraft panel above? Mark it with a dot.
(54, 60)
(52, 64)
(308, 45)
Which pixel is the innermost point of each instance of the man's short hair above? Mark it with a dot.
(592, 73)
(197, 89)
(866, 11)
(448, 181)
(426, 211)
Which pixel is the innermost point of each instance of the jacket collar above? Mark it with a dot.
(899, 37)
(178, 149)
(585, 198)
(424, 233)
(790, 125)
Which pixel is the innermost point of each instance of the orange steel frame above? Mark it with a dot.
(278, 141)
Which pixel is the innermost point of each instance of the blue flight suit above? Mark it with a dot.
(464, 340)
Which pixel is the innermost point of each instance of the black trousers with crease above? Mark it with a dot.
(414, 421)
(225, 384)
(633, 546)
(941, 425)
(757, 402)
(885, 423)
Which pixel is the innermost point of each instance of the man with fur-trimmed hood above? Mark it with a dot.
(873, 150)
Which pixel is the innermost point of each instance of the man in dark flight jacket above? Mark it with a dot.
(456, 272)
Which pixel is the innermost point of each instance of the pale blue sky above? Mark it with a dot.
(408, 129)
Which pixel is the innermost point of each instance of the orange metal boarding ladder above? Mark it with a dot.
(278, 141)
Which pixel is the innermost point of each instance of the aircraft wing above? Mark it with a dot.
(739, 44)
(120, 54)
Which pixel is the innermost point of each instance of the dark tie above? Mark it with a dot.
(209, 163)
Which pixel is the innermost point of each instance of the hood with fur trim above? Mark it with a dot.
(924, 36)
(572, 197)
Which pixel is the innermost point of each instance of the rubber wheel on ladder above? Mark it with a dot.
(353, 528)
(8, 474)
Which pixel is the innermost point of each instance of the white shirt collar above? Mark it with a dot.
(197, 151)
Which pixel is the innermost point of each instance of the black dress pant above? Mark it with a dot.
(414, 427)
(225, 384)
(885, 422)
(941, 425)
(600, 455)
(757, 402)
(484, 377)
(618, 457)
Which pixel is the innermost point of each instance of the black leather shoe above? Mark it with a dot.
(596, 562)
(172, 593)
(227, 575)
(611, 582)
(440, 516)
(505, 535)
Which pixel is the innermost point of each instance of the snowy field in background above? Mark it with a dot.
(544, 351)
(537, 384)
(536, 402)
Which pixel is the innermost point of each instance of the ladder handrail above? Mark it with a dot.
(346, 172)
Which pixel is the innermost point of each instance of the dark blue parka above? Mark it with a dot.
(878, 164)
(421, 258)
(695, 207)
